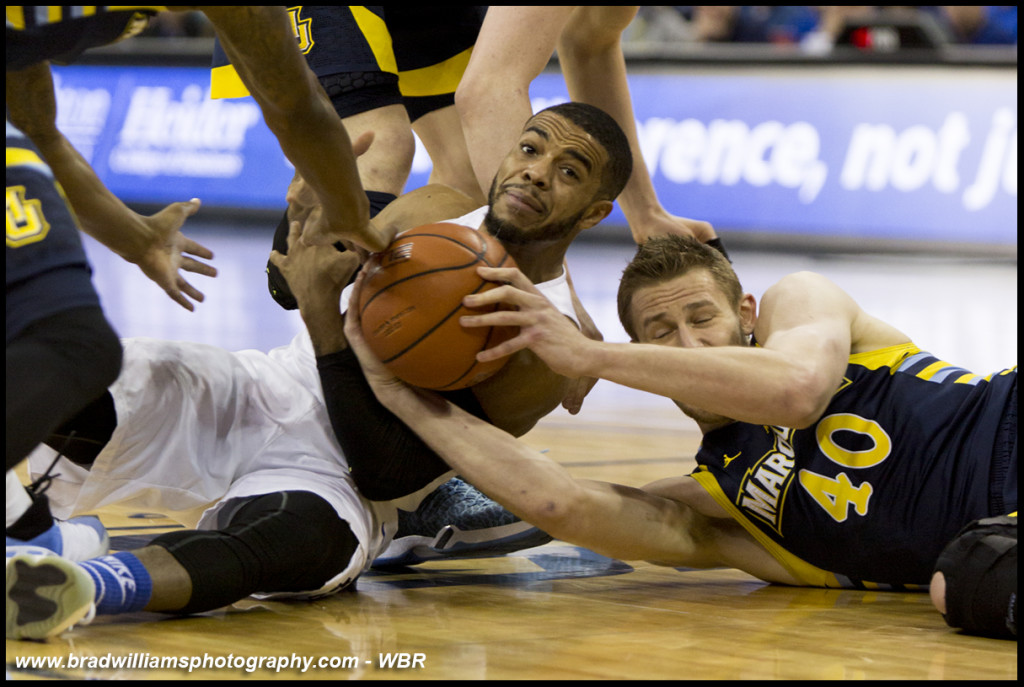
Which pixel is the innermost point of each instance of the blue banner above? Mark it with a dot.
(905, 153)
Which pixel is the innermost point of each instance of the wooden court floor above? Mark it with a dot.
(552, 612)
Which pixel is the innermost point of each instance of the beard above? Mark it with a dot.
(510, 234)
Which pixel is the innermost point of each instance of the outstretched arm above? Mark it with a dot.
(154, 243)
(805, 331)
(611, 519)
(261, 45)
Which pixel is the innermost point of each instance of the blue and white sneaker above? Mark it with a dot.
(77, 539)
(46, 594)
(457, 521)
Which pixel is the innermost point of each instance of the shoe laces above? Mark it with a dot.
(39, 486)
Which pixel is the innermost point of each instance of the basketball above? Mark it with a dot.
(411, 301)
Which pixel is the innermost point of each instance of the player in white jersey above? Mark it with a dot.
(241, 446)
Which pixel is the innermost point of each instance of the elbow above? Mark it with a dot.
(804, 401)
(559, 513)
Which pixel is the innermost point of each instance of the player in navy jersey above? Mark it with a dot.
(836, 453)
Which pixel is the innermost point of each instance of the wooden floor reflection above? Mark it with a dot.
(557, 611)
(552, 612)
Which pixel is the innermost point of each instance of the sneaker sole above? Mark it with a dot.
(454, 544)
(46, 595)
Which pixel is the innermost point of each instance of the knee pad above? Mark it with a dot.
(292, 542)
(980, 570)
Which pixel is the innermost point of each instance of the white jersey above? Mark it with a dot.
(198, 426)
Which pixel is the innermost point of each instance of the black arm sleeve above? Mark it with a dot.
(386, 458)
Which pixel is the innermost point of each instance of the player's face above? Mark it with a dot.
(691, 311)
(547, 185)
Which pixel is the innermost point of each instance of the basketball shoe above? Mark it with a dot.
(457, 521)
(46, 594)
(77, 539)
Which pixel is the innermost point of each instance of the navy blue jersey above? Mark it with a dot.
(61, 33)
(47, 270)
(909, 450)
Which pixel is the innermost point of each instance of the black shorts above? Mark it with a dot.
(377, 55)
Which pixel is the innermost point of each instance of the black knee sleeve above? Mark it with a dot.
(55, 367)
(279, 289)
(290, 541)
(980, 570)
(387, 460)
(81, 438)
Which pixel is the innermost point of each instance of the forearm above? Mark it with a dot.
(614, 520)
(32, 107)
(315, 141)
(99, 212)
(747, 384)
(325, 324)
(519, 478)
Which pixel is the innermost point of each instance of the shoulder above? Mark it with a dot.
(804, 299)
(427, 204)
(809, 298)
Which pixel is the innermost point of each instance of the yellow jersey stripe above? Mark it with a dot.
(16, 17)
(436, 79)
(226, 83)
(800, 569)
(931, 370)
(966, 378)
(17, 157)
(891, 356)
(376, 33)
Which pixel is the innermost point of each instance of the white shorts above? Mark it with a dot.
(198, 426)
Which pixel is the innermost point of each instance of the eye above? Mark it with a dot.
(659, 333)
(703, 320)
(527, 148)
(570, 172)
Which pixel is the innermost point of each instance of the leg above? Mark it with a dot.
(493, 98)
(441, 134)
(55, 368)
(29, 520)
(61, 351)
(283, 542)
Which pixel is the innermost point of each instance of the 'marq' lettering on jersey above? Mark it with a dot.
(764, 486)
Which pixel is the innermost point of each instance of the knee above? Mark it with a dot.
(975, 581)
(287, 542)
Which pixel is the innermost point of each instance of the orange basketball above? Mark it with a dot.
(411, 301)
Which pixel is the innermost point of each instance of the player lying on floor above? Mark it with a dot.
(835, 453)
(240, 445)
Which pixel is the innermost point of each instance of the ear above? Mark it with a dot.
(748, 314)
(595, 213)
